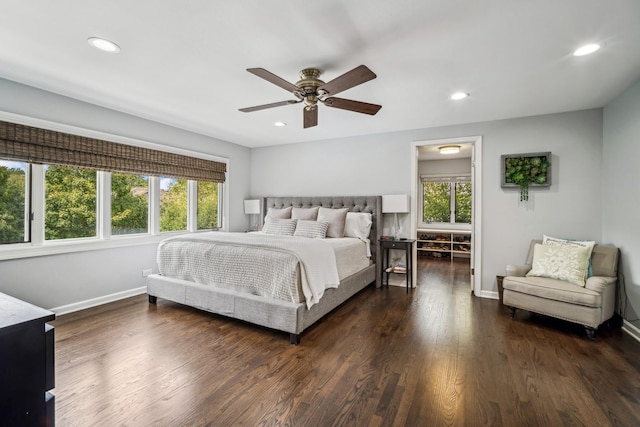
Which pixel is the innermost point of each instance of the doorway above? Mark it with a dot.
(456, 237)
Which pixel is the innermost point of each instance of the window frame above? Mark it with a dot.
(38, 246)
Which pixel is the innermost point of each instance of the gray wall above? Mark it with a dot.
(376, 164)
(380, 164)
(59, 280)
(621, 203)
(445, 167)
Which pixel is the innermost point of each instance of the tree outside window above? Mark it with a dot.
(173, 204)
(70, 203)
(12, 202)
(207, 205)
(447, 202)
(129, 204)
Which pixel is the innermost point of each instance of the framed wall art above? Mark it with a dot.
(526, 170)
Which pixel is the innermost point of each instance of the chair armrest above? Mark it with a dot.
(517, 270)
(600, 283)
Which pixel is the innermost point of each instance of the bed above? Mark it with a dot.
(273, 309)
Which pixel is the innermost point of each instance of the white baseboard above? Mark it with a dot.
(631, 330)
(488, 294)
(77, 306)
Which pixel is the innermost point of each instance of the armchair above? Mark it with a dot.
(589, 305)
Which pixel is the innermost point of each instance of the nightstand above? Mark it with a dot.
(405, 245)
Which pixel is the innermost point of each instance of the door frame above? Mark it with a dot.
(476, 202)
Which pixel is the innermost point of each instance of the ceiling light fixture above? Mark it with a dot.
(586, 49)
(458, 96)
(279, 124)
(449, 149)
(103, 44)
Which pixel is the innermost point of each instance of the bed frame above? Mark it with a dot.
(285, 316)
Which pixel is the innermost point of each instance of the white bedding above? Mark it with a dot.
(197, 257)
(351, 255)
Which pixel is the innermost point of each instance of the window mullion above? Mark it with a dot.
(103, 205)
(37, 204)
(192, 206)
(28, 205)
(154, 205)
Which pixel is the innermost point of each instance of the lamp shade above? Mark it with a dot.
(396, 203)
(251, 207)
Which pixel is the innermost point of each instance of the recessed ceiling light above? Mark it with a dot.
(103, 44)
(458, 96)
(279, 124)
(586, 49)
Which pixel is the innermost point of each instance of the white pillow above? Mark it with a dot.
(284, 213)
(358, 225)
(567, 263)
(548, 240)
(311, 229)
(336, 219)
(283, 227)
(310, 214)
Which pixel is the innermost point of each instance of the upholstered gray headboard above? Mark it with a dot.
(370, 204)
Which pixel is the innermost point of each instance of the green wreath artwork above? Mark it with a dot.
(524, 170)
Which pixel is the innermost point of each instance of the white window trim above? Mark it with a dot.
(39, 247)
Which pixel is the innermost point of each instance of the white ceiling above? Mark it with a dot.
(183, 62)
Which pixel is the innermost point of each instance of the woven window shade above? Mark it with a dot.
(35, 145)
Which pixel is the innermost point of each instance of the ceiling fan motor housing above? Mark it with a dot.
(308, 85)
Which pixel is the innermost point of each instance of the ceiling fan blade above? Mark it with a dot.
(265, 106)
(310, 117)
(357, 106)
(272, 78)
(348, 80)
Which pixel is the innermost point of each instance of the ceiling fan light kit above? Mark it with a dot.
(311, 90)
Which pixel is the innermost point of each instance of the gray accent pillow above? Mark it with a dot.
(336, 219)
(310, 214)
(311, 229)
(284, 213)
(280, 226)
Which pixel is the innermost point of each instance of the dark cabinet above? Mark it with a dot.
(27, 371)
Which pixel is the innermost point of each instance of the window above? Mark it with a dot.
(173, 204)
(58, 186)
(129, 204)
(13, 197)
(70, 203)
(446, 200)
(71, 209)
(208, 205)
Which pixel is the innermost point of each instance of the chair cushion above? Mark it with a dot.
(553, 289)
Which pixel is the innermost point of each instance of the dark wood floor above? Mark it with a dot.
(438, 356)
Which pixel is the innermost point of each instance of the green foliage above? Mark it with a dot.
(173, 206)
(463, 202)
(207, 205)
(524, 171)
(129, 204)
(437, 202)
(70, 203)
(11, 205)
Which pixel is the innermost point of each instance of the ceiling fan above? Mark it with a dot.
(311, 89)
